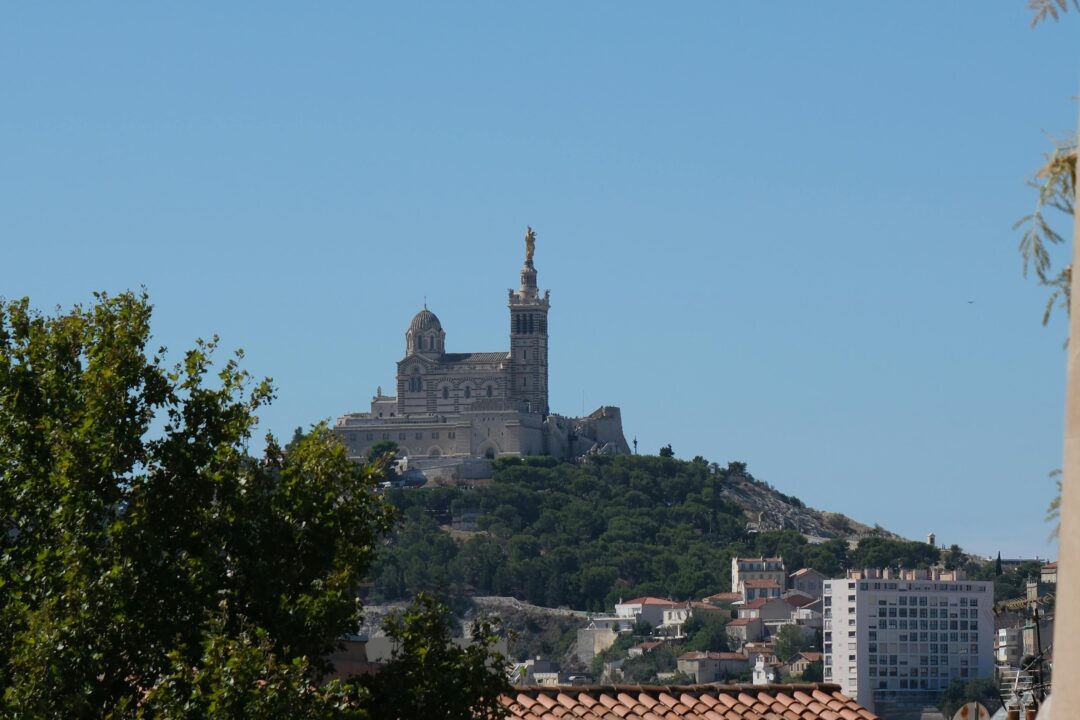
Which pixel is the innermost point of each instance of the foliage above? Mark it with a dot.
(814, 672)
(960, 691)
(707, 632)
(879, 552)
(1013, 582)
(147, 555)
(239, 676)
(1056, 185)
(1042, 9)
(644, 668)
(430, 676)
(792, 639)
(380, 450)
(667, 452)
(584, 535)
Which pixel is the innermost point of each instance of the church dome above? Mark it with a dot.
(423, 321)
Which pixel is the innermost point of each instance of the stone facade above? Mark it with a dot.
(480, 404)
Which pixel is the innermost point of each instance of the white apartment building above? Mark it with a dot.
(899, 638)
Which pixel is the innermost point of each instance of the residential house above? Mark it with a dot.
(758, 588)
(1007, 647)
(644, 609)
(1048, 574)
(797, 665)
(677, 615)
(707, 667)
(809, 581)
(762, 568)
(743, 630)
(732, 702)
(769, 610)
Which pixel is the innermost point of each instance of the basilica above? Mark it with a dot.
(473, 405)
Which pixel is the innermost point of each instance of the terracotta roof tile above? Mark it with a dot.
(683, 702)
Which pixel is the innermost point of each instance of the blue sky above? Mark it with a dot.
(779, 234)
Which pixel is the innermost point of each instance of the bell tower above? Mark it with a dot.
(529, 336)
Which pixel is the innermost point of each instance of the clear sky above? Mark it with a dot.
(774, 233)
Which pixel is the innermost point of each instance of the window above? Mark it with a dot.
(468, 391)
(524, 381)
(420, 436)
(371, 436)
(401, 436)
(435, 435)
(386, 436)
(489, 391)
(451, 435)
(420, 342)
(445, 392)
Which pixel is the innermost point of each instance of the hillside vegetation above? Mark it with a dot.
(584, 535)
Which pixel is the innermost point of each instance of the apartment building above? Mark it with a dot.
(895, 639)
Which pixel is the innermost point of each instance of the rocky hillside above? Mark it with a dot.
(769, 509)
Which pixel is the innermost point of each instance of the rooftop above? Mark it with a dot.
(811, 701)
(761, 584)
(648, 601)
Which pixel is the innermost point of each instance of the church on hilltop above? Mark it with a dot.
(480, 404)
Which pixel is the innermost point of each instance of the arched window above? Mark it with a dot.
(432, 344)
(524, 381)
(445, 393)
(468, 391)
(419, 342)
(489, 391)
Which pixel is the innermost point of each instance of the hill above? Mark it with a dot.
(584, 535)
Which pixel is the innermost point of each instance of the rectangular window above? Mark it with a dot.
(401, 436)
(386, 436)
(420, 436)
(435, 435)
(371, 436)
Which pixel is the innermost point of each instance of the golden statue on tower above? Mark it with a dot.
(530, 244)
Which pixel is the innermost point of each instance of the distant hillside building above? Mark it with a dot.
(897, 639)
(761, 568)
(480, 404)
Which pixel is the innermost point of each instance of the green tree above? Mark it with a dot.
(380, 450)
(432, 677)
(667, 452)
(792, 639)
(707, 633)
(814, 672)
(149, 564)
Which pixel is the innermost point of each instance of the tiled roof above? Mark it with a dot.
(811, 656)
(797, 599)
(649, 601)
(807, 571)
(707, 702)
(756, 603)
(480, 357)
(759, 559)
(724, 597)
(744, 621)
(761, 583)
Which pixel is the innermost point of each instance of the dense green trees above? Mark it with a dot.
(566, 534)
(149, 564)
